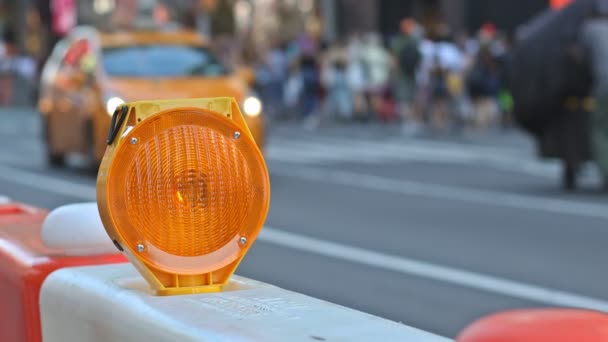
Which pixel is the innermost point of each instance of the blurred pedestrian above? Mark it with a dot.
(595, 37)
(311, 90)
(439, 89)
(453, 62)
(423, 93)
(463, 107)
(7, 67)
(335, 79)
(16, 72)
(505, 99)
(406, 53)
(278, 69)
(292, 90)
(356, 75)
(484, 81)
(376, 65)
(445, 80)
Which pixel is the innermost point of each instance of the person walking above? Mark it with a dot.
(356, 76)
(335, 79)
(8, 68)
(16, 73)
(407, 56)
(311, 89)
(595, 38)
(377, 64)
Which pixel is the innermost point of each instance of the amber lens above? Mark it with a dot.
(186, 183)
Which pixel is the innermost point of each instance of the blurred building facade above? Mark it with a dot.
(38, 23)
(460, 15)
(339, 17)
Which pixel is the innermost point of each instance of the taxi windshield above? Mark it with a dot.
(161, 61)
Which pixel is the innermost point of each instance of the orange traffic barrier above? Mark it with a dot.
(539, 325)
(24, 264)
(17, 212)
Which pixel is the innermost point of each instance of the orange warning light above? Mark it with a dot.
(183, 190)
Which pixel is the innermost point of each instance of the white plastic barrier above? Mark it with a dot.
(113, 303)
(77, 230)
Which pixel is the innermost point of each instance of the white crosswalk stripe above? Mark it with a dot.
(322, 151)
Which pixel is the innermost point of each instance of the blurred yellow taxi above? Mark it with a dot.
(91, 73)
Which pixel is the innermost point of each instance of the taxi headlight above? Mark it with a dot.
(183, 191)
(112, 103)
(252, 106)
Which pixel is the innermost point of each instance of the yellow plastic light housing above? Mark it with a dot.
(183, 191)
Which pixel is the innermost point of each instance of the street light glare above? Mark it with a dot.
(113, 103)
(104, 6)
(252, 106)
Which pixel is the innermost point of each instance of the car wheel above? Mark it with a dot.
(53, 159)
(89, 133)
(569, 173)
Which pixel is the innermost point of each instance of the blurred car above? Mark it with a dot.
(90, 73)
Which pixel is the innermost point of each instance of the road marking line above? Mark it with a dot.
(86, 192)
(443, 192)
(362, 150)
(315, 152)
(405, 146)
(47, 183)
(432, 271)
(352, 254)
(403, 143)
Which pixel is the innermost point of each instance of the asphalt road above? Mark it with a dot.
(431, 232)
